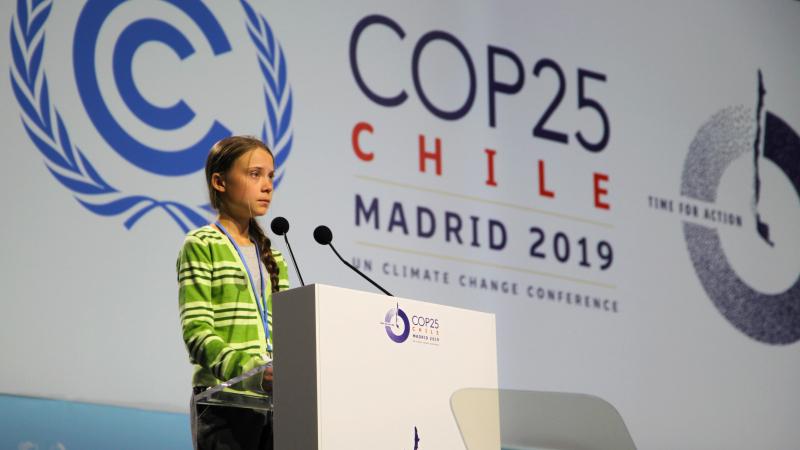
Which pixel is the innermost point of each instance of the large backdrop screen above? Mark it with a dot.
(619, 182)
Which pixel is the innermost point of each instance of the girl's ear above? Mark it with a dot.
(217, 182)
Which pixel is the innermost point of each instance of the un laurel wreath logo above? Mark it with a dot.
(64, 159)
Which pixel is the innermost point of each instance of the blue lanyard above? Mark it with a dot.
(262, 307)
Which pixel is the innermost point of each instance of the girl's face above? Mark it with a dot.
(246, 188)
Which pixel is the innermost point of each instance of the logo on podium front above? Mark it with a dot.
(421, 328)
(397, 324)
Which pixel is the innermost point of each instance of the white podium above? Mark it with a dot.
(355, 370)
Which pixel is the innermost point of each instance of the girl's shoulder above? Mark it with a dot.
(206, 233)
(203, 238)
(206, 244)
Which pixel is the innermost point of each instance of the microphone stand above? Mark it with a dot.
(358, 271)
(294, 261)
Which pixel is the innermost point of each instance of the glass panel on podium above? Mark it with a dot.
(245, 391)
(493, 419)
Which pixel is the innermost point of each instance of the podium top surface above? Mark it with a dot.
(324, 289)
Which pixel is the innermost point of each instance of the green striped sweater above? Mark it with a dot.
(221, 324)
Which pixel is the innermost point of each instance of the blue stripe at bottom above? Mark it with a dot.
(42, 424)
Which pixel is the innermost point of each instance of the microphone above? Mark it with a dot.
(323, 235)
(280, 226)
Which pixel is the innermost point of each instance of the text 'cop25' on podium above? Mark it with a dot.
(356, 370)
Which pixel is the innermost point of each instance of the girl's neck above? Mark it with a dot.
(239, 229)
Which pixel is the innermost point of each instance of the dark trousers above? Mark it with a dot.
(227, 428)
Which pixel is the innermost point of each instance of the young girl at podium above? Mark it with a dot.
(227, 272)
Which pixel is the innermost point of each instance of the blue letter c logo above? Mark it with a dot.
(172, 163)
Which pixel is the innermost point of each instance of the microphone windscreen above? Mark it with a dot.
(279, 226)
(323, 235)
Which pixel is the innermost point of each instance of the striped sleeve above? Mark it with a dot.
(283, 270)
(205, 347)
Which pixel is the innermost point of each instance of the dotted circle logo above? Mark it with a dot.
(764, 138)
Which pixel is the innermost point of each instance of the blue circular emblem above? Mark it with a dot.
(70, 166)
(397, 325)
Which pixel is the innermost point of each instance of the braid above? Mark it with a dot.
(266, 253)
